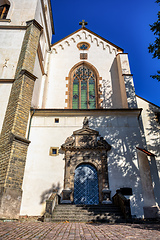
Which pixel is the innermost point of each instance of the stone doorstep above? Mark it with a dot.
(89, 214)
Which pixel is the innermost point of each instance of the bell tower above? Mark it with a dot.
(24, 30)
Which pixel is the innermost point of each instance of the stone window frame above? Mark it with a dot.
(51, 151)
(69, 85)
(81, 43)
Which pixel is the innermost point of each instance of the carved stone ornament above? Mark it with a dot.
(85, 146)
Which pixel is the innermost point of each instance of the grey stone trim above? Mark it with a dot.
(45, 20)
(18, 138)
(5, 20)
(51, 16)
(13, 27)
(87, 112)
(35, 23)
(7, 80)
(28, 74)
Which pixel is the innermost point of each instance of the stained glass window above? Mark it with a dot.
(83, 46)
(84, 92)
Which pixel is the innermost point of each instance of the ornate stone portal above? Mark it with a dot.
(85, 146)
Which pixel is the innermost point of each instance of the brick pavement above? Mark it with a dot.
(77, 231)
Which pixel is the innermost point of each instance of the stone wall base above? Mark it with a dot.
(10, 202)
(151, 212)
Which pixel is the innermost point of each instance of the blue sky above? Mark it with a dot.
(124, 23)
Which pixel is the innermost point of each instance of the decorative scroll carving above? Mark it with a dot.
(84, 146)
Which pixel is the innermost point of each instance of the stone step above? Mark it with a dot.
(94, 219)
(84, 209)
(88, 209)
(85, 213)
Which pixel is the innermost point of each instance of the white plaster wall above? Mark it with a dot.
(65, 55)
(152, 134)
(4, 97)
(37, 86)
(39, 16)
(10, 47)
(42, 171)
(21, 11)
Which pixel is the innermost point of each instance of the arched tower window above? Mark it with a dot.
(4, 8)
(84, 90)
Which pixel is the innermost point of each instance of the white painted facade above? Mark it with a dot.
(44, 172)
(151, 128)
(12, 32)
(116, 119)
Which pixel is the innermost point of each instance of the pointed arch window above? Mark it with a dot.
(84, 88)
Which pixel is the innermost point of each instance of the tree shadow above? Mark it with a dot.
(123, 134)
(145, 226)
(153, 145)
(46, 194)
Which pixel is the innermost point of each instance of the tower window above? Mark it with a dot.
(84, 90)
(4, 11)
(56, 120)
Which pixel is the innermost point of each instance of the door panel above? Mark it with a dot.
(86, 185)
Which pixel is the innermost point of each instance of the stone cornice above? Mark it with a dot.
(28, 74)
(35, 23)
(80, 148)
(7, 80)
(89, 31)
(13, 27)
(18, 138)
(87, 112)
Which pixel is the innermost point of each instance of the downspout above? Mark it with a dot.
(30, 121)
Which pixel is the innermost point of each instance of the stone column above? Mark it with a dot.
(13, 144)
(66, 193)
(105, 191)
(150, 208)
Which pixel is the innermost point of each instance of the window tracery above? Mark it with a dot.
(83, 46)
(84, 88)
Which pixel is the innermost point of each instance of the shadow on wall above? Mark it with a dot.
(45, 195)
(116, 94)
(153, 145)
(106, 94)
(124, 136)
(111, 94)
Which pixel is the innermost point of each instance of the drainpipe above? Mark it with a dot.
(30, 123)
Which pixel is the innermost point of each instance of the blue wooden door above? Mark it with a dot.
(86, 185)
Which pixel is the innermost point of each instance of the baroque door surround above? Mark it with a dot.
(87, 147)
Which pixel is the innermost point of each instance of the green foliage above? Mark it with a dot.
(154, 48)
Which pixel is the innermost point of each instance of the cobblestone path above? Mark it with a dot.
(77, 231)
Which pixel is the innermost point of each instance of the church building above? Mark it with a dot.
(70, 121)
